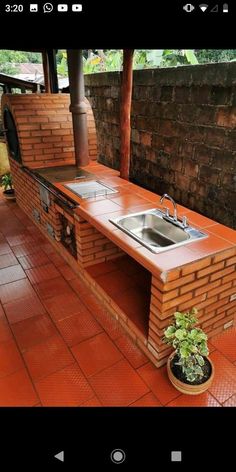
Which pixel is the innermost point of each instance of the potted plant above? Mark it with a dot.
(7, 183)
(189, 369)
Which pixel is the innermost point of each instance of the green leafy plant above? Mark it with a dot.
(190, 344)
(7, 182)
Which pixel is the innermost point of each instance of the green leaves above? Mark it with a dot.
(170, 331)
(189, 342)
(190, 56)
(6, 181)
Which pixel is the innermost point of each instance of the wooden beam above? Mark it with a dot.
(125, 112)
(46, 72)
(51, 55)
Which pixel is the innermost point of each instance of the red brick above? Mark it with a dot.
(222, 273)
(210, 269)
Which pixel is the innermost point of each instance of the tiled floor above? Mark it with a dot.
(58, 346)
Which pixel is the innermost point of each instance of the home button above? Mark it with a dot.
(118, 456)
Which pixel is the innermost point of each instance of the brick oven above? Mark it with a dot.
(44, 129)
(39, 135)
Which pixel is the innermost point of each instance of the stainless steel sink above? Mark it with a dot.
(152, 230)
(90, 188)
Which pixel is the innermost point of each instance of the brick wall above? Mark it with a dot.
(44, 125)
(183, 133)
(92, 246)
(208, 285)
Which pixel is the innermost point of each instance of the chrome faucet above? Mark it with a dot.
(167, 197)
(174, 218)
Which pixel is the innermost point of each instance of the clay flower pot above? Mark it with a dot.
(185, 388)
(9, 194)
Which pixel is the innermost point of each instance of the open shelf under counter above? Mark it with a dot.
(128, 286)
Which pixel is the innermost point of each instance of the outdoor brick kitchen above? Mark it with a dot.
(178, 123)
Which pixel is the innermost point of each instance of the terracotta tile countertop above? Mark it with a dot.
(130, 199)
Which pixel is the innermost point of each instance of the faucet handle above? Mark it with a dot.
(185, 221)
(167, 211)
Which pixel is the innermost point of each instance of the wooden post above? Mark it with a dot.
(46, 72)
(126, 97)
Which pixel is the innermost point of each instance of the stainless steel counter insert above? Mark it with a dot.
(89, 189)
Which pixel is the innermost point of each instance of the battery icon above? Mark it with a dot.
(225, 8)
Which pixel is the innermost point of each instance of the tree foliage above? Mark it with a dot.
(9, 60)
(215, 55)
(105, 60)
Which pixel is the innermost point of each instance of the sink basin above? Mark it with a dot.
(91, 188)
(154, 232)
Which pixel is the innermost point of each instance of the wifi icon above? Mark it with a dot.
(203, 6)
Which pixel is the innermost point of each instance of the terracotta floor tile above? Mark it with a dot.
(224, 382)
(4, 248)
(96, 354)
(211, 348)
(231, 401)
(48, 248)
(15, 290)
(11, 274)
(109, 324)
(2, 314)
(7, 260)
(10, 358)
(51, 288)
(42, 273)
(34, 260)
(11, 226)
(147, 400)
(119, 385)
(25, 249)
(226, 343)
(101, 269)
(23, 308)
(64, 305)
(132, 352)
(158, 382)
(205, 399)
(56, 259)
(17, 390)
(47, 357)
(78, 327)
(20, 238)
(67, 387)
(5, 332)
(79, 287)
(115, 282)
(33, 331)
(67, 272)
(92, 402)
(92, 303)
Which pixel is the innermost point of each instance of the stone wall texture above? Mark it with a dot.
(183, 133)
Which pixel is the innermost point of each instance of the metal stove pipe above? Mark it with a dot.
(78, 106)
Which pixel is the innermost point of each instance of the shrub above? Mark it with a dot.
(190, 344)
